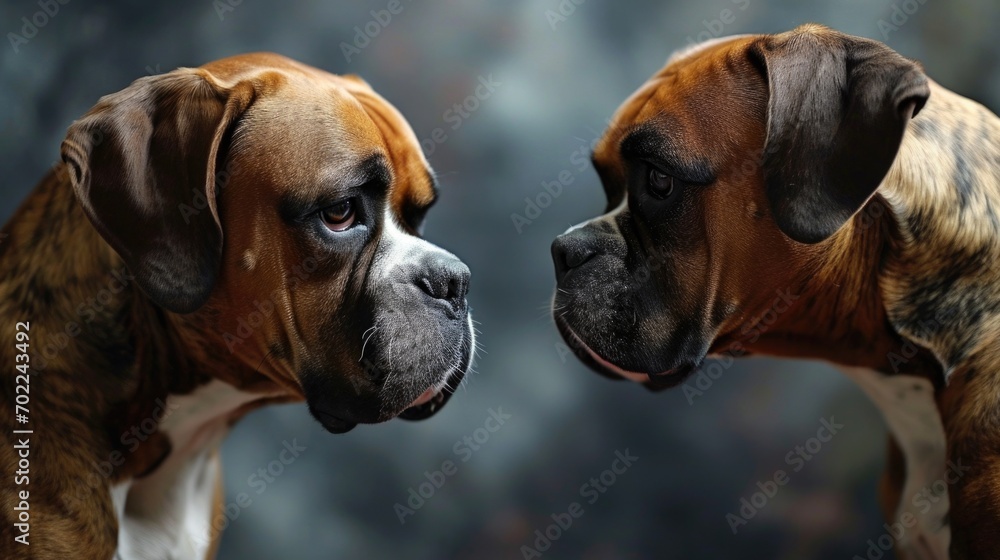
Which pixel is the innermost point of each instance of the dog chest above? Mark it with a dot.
(168, 514)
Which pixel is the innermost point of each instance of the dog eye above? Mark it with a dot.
(340, 216)
(661, 185)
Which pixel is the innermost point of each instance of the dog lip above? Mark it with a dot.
(334, 424)
(426, 396)
(609, 366)
(630, 375)
(431, 401)
(424, 406)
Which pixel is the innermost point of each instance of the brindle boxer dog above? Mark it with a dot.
(217, 239)
(827, 169)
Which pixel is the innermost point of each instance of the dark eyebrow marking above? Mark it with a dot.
(374, 168)
(593, 159)
(435, 188)
(599, 167)
(414, 212)
(614, 190)
(371, 173)
(648, 143)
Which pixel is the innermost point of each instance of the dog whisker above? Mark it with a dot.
(262, 360)
(372, 331)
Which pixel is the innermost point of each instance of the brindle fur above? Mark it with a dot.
(125, 354)
(917, 267)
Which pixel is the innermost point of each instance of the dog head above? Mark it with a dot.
(726, 174)
(284, 206)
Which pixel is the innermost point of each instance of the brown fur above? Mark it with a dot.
(924, 248)
(119, 359)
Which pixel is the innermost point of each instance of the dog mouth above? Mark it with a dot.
(654, 382)
(429, 403)
(432, 400)
(426, 404)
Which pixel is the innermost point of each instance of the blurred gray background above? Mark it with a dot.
(554, 89)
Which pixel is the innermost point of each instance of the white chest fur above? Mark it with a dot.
(907, 404)
(167, 515)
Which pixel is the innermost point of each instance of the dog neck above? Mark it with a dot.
(836, 310)
(928, 232)
(110, 359)
(893, 289)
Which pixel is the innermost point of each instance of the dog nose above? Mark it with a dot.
(570, 251)
(445, 278)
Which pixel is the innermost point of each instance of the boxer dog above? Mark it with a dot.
(216, 239)
(811, 195)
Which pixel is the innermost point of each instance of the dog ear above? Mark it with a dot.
(836, 115)
(142, 163)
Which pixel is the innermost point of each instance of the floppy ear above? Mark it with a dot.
(142, 164)
(836, 115)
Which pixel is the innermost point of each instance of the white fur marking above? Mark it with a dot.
(168, 513)
(400, 249)
(913, 419)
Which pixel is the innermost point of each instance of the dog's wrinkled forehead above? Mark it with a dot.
(415, 186)
(681, 105)
(686, 70)
(332, 124)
